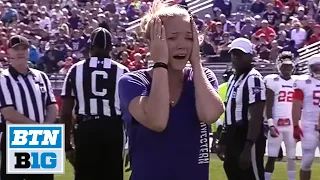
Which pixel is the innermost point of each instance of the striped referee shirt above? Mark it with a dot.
(243, 90)
(29, 94)
(93, 84)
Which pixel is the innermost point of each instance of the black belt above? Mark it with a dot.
(83, 118)
(238, 123)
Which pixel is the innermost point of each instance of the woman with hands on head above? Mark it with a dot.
(168, 108)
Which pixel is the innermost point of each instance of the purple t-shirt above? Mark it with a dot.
(181, 151)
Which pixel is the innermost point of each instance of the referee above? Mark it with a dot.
(244, 136)
(90, 88)
(26, 97)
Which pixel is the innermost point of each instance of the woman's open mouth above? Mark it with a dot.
(179, 57)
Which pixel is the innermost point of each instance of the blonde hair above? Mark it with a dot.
(161, 9)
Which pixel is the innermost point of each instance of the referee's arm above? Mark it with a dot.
(67, 104)
(51, 104)
(7, 105)
(257, 97)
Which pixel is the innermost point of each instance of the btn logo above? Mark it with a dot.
(35, 149)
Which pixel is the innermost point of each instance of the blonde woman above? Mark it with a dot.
(168, 108)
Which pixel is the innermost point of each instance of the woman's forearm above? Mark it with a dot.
(208, 102)
(157, 107)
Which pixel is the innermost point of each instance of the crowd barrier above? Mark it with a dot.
(304, 54)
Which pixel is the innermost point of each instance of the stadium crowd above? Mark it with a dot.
(273, 26)
(58, 32)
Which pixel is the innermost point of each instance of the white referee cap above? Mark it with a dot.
(242, 44)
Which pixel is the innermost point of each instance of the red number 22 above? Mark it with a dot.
(285, 96)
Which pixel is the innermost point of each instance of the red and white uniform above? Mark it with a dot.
(281, 115)
(307, 89)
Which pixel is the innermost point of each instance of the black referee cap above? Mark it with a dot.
(101, 38)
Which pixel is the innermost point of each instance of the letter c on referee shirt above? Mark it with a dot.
(94, 82)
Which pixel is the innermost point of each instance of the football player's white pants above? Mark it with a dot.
(309, 143)
(274, 144)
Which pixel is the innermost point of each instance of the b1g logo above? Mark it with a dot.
(35, 149)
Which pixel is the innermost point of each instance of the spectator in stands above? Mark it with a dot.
(264, 52)
(66, 65)
(217, 35)
(293, 5)
(298, 34)
(311, 8)
(285, 15)
(103, 21)
(216, 13)
(257, 23)
(210, 24)
(315, 37)
(238, 22)
(282, 38)
(207, 48)
(247, 28)
(274, 51)
(291, 47)
(224, 5)
(138, 62)
(277, 4)
(266, 30)
(223, 48)
(111, 7)
(300, 13)
(233, 32)
(199, 22)
(257, 7)
(137, 49)
(226, 24)
(9, 14)
(33, 54)
(124, 59)
(271, 15)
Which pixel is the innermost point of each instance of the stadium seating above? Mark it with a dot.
(199, 7)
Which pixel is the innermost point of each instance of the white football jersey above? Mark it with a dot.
(310, 88)
(283, 98)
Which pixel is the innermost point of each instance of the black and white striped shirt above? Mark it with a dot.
(93, 84)
(29, 94)
(242, 91)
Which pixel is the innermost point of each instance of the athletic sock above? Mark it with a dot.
(292, 175)
(267, 175)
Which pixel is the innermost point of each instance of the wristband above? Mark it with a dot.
(160, 65)
(270, 122)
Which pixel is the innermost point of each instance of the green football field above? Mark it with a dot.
(217, 172)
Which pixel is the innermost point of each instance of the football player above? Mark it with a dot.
(278, 111)
(306, 96)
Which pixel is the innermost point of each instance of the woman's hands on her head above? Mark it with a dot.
(158, 44)
(195, 54)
